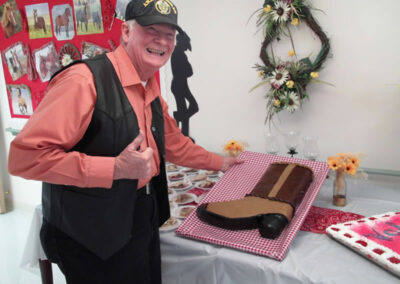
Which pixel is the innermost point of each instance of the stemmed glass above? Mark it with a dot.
(272, 143)
(292, 141)
(310, 149)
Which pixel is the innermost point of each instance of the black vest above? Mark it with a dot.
(98, 218)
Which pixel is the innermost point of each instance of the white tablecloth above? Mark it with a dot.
(312, 258)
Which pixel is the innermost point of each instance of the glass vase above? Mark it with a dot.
(339, 188)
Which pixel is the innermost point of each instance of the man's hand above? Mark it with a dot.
(134, 164)
(228, 162)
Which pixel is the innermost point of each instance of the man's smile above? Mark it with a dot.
(155, 51)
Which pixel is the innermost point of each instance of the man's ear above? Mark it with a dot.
(125, 32)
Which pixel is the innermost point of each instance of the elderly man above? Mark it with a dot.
(99, 141)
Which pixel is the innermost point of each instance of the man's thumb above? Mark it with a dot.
(137, 141)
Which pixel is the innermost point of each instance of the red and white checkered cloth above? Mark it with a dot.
(235, 184)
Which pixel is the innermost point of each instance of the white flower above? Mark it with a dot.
(280, 13)
(294, 102)
(66, 59)
(279, 77)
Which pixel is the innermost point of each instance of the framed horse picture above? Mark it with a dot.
(16, 60)
(20, 99)
(63, 23)
(10, 18)
(88, 17)
(46, 61)
(90, 50)
(39, 24)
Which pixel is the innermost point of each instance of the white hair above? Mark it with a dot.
(131, 24)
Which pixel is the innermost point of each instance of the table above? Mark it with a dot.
(312, 258)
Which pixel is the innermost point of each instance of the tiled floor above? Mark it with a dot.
(14, 228)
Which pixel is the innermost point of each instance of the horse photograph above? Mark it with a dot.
(16, 60)
(20, 98)
(63, 24)
(10, 18)
(39, 24)
(90, 50)
(46, 61)
(88, 17)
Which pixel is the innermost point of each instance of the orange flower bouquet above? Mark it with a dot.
(343, 163)
(233, 147)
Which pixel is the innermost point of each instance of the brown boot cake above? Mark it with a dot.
(270, 206)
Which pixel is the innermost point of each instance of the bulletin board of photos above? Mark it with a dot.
(37, 38)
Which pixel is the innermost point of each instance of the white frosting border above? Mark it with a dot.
(366, 251)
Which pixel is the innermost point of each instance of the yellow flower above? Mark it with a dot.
(350, 169)
(295, 21)
(333, 163)
(238, 147)
(355, 161)
(290, 84)
(314, 75)
(291, 53)
(231, 145)
(267, 9)
(261, 73)
(277, 102)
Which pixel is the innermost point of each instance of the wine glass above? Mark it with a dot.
(292, 141)
(310, 149)
(272, 143)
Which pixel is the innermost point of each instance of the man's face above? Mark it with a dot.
(150, 47)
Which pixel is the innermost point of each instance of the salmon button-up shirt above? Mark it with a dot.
(40, 150)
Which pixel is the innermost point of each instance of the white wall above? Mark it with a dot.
(359, 114)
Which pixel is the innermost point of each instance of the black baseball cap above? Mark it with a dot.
(151, 12)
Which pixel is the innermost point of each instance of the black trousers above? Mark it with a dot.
(137, 262)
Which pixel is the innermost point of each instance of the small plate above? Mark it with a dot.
(200, 197)
(171, 224)
(172, 205)
(176, 176)
(183, 212)
(172, 168)
(180, 185)
(190, 171)
(212, 174)
(184, 198)
(198, 177)
(206, 184)
(171, 193)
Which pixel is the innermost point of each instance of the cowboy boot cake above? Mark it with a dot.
(269, 207)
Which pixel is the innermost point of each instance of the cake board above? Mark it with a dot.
(235, 184)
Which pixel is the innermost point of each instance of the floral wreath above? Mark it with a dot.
(288, 79)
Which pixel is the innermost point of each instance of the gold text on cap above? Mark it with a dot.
(147, 2)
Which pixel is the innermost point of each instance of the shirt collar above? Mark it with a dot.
(124, 67)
